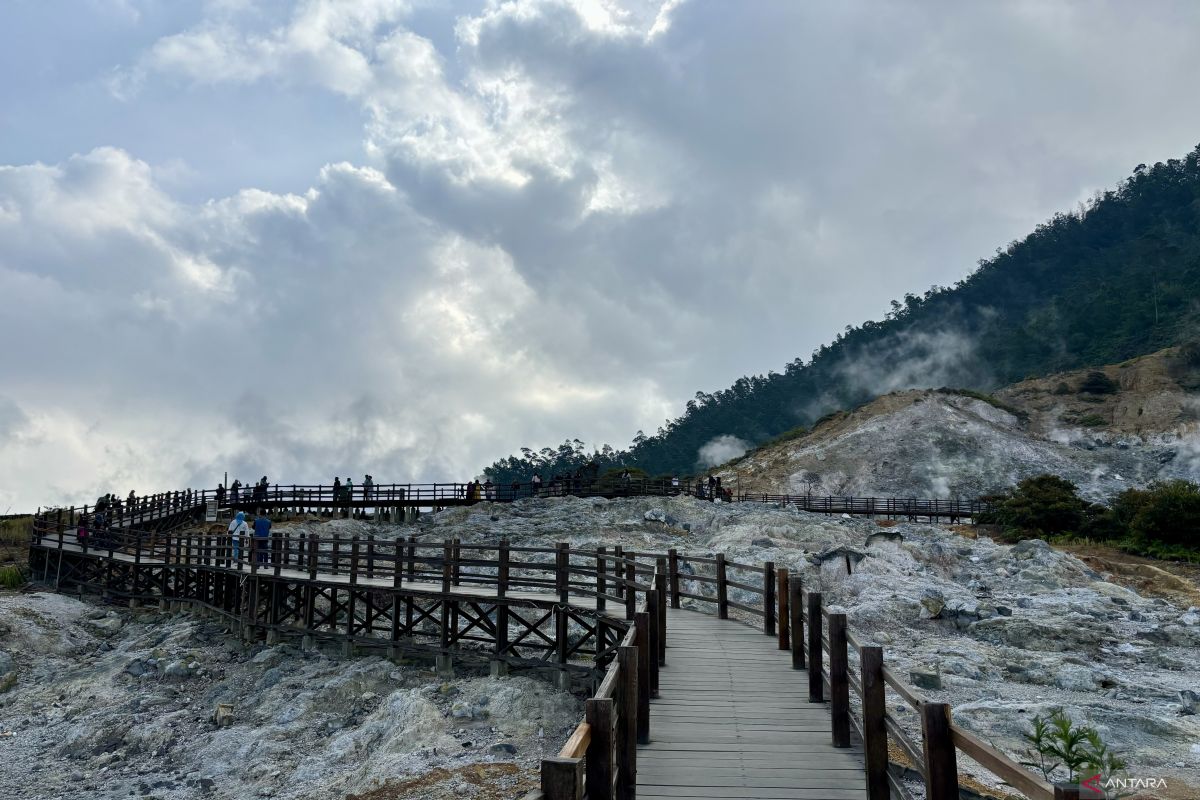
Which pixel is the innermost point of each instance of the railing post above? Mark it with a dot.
(722, 588)
(816, 689)
(630, 591)
(642, 622)
(627, 722)
(796, 617)
(354, 561)
(562, 778)
(562, 571)
(652, 604)
(313, 548)
(397, 562)
(673, 571)
(660, 586)
(839, 681)
(335, 553)
(769, 598)
(457, 561)
(447, 570)
(874, 730)
(941, 762)
(598, 712)
(502, 567)
(601, 577)
(785, 618)
(1067, 791)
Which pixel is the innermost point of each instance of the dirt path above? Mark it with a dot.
(1174, 581)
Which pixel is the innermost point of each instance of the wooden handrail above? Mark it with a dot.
(1001, 765)
(578, 742)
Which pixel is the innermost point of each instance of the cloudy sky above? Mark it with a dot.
(407, 238)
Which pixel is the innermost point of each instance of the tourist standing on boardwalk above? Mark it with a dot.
(368, 485)
(537, 484)
(237, 529)
(262, 534)
(220, 495)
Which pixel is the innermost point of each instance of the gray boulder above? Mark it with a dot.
(924, 678)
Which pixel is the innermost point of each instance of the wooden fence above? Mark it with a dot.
(386, 500)
(469, 583)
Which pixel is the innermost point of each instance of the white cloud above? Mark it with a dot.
(565, 217)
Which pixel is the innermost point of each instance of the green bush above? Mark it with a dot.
(11, 577)
(1045, 505)
(1166, 512)
(1092, 420)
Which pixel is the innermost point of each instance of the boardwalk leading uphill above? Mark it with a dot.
(683, 703)
(732, 720)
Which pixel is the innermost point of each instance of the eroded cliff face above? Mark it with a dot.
(926, 443)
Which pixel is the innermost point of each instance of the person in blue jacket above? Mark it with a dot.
(237, 530)
(262, 536)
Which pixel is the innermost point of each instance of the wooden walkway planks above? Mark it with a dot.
(733, 720)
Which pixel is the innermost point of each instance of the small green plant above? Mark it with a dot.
(11, 577)
(1091, 420)
(1055, 741)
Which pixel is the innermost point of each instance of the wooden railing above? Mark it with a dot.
(833, 676)
(599, 758)
(383, 497)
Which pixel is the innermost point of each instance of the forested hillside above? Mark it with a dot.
(1118, 278)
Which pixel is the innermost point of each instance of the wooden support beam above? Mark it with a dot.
(874, 707)
(627, 722)
(599, 760)
(562, 778)
(769, 582)
(941, 761)
(722, 588)
(839, 681)
(653, 633)
(630, 592)
(642, 622)
(673, 572)
(601, 577)
(816, 655)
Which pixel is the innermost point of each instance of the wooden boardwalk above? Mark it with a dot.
(733, 720)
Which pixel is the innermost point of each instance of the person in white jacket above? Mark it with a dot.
(238, 529)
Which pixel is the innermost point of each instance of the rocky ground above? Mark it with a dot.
(106, 702)
(1002, 632)
(926, 443)
(109, 702)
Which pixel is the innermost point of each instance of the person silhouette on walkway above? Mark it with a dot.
(262, 534)
(237, 529)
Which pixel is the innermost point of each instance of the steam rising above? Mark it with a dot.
(720, 449)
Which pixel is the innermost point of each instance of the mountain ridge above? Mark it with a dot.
(1115, 279)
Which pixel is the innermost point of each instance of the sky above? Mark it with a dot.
(319, 238)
